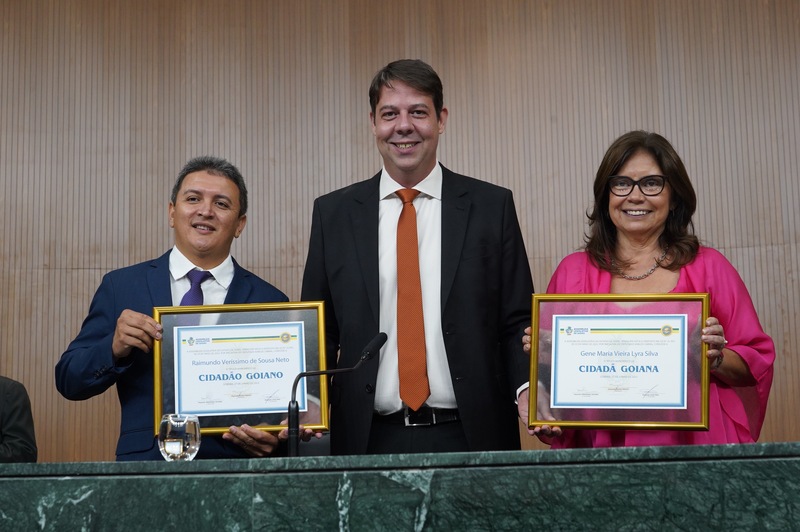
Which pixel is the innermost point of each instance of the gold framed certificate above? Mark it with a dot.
(631, 361)
(236, 364)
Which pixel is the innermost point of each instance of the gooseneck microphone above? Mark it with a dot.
(294, 410)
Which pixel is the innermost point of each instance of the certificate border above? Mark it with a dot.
(163, 356)
(584, 304)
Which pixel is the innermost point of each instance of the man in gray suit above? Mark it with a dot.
(475, 284)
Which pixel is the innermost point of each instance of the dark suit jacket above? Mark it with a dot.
(486, 304)
(17, 438)
(87, 367)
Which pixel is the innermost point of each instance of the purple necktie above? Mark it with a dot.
(194, 296)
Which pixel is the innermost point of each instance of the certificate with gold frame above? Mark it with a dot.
(236, 364)
(624, 361)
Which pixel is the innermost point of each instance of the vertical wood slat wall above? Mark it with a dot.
(102, 102)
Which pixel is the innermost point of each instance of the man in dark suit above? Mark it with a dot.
(17, 437)
(475, 288)
(207, 210)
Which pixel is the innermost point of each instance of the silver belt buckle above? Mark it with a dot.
(410, 421)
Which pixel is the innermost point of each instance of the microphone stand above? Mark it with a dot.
(294, 409)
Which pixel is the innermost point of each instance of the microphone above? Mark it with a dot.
(294, 409)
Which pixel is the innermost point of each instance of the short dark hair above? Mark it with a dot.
(214, 166)
(416, 74)
(678, 232)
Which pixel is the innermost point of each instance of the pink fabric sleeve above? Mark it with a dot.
(731, 305)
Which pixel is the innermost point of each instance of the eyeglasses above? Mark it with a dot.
(650, 185)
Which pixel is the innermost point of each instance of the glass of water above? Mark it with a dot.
(179, 437)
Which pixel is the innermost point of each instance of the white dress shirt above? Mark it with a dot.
(429, 232)
(214, 290)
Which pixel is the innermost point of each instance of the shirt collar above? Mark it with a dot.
(179, 266)
(430, 186)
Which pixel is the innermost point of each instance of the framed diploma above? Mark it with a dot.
(631, 361)
(236, 364)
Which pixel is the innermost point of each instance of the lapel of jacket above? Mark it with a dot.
(364, 219)
(158, 281)
(455, 216)
(239, 290)
(161, 292)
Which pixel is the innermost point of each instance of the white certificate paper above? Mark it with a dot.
(238, 369)
(619, 361)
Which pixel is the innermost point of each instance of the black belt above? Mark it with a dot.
(424, 417)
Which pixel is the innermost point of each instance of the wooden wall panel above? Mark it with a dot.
(102, 102)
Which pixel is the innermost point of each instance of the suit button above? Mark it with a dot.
(370, 388)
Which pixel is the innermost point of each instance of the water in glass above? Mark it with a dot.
(179, 437)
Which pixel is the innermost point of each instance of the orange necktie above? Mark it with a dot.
(414, 388)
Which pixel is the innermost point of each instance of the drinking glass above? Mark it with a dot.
(179, 437)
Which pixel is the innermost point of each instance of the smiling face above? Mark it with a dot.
(205, 216)
(407, 131)
(638, 217)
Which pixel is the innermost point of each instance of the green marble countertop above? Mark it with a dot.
(625, 455)
(726, 487)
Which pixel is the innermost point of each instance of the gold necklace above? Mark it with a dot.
(646, 274)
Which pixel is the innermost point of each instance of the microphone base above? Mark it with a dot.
(294, 429)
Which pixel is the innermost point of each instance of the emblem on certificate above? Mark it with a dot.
(619, 361)
(235, 364)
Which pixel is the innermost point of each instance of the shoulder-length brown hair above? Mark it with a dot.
(678, 235)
